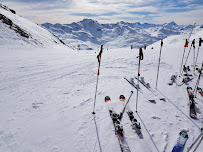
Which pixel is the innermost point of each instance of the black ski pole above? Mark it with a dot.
(192, 44)
(186, 44)
(200, 43)
(198, 79)
(121, 115)
(159, 63)
(194, 57)
(138, 75)
(99, 60)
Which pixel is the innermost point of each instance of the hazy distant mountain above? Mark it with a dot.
(89, 33)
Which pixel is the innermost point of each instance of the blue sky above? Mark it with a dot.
(109, 11)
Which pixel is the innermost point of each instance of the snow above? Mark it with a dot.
(38, 35)
(47, 96)
(90, 34)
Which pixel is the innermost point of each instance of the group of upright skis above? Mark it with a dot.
(192, 92)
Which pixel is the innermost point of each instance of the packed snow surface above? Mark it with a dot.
(47, 97)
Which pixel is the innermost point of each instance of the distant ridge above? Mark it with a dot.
(89, 34)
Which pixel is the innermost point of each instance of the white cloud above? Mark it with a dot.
(68, 11)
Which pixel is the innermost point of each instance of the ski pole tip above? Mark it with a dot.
(131, 91)
(93, 113)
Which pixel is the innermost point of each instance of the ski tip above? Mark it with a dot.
(184, 134)
(107, 98)
(122, 97)
(189, 88)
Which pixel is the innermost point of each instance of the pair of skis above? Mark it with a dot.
(147, 86)
(118, 128)
(174, 79)
(116, 118)
(138, 88)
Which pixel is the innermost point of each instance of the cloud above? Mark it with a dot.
(68, 11)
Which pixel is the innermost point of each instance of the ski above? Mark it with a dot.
(135, 125)
(179, 146)
(118, 127)
(172, 79)
(138, 88)
(141, 80)
(201, 135)
(200, 91)
(185, 80)
(121, 115)
(147, 86)
(191, 103)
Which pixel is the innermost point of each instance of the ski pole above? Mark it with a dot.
(198, 79)
(200, 42)
(192, 44)
(121, 115)
(198, 144)
(159, 63)
(194, 58)
(195, 141)
(186, 44)
(138, 75)
(99, 60)
(189, 52)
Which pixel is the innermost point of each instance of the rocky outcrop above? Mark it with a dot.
(6, 8)
(14, 27)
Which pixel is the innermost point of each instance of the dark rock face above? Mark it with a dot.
(6, 8)
(14, 27)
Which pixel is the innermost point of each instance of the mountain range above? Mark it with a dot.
(86, 34)
(89, 34)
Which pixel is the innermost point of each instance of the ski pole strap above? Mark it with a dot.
(200, 41)
(141, 54)
(99, 58)
(162, 42)
(186, 43)
(99, 55)
(193, 43)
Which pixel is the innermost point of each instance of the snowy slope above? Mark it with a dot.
(22, 32)
(47, 98)
(90, 34)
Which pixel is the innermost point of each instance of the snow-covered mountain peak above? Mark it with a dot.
(88, 21)
(171, 24)
(89, 34)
